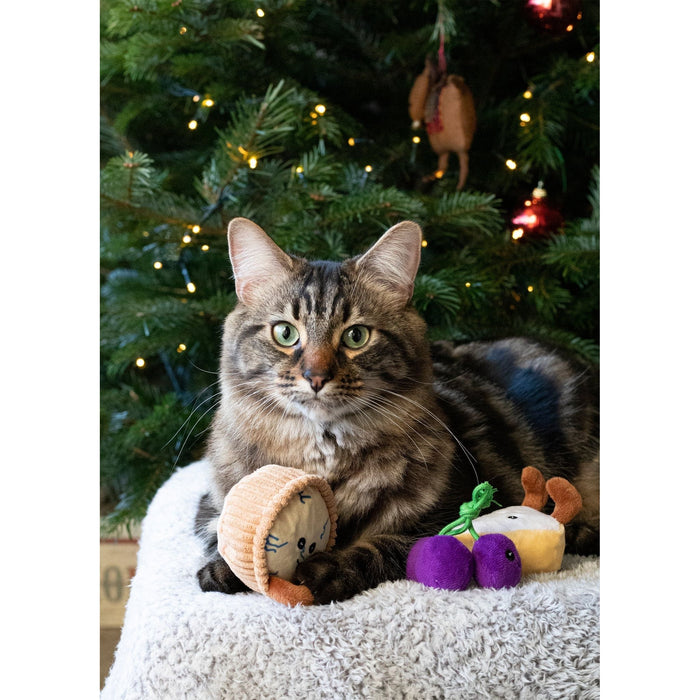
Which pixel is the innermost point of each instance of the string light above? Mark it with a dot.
(252, 162)
(146, 234)
(416, 139)
(140, 362)
(196, 228)
(208, 102)
(467, 284)
(424, 243)
(299, 170)
(196, 98)
(205, 247)
(439, 174)
(158, 264)
(351, 141)
(260, 12)
(191, 288)
(511, 164)
(181, 347)
(525, 117)
(530, 288)
(517, 233)
(368, 168)
(590, 56)
(187, 238)
(192, 125)
(321, 109)
(527, 94)
(183, 30)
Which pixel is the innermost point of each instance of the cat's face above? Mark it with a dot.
(321, 339)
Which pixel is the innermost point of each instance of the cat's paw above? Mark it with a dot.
(582, 539)
(217, 576)
(324, 575)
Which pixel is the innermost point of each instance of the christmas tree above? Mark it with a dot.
(294, 113)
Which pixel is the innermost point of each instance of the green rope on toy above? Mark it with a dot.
(482, 497)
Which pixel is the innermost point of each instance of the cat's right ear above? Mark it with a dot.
(256, 259)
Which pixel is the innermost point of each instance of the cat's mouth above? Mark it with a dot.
(322, 406)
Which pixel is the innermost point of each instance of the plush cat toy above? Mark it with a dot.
(498, 548)
(272, 520)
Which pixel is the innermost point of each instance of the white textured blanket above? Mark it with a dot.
(400, 640)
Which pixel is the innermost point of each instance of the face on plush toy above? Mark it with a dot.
(301, 528)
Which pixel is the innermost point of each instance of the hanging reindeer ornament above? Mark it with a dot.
(444, 105)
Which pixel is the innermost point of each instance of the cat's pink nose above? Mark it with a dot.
(317, 379)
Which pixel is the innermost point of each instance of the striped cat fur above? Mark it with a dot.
(325, 367)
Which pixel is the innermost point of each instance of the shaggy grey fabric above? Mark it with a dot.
(400, 640)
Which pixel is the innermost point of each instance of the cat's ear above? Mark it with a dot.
(256, 259)
(392, 262)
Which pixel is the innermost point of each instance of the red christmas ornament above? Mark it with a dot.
(556, 17)
(536, 219)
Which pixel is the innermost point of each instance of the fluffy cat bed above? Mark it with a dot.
(400, 640)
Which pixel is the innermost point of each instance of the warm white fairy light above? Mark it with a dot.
(467, 284)
(527, 94)
(351, 141)
(252, 162)
(260, 12)
(530, 288)
(524, 117)
(368, 168)
(321, 109)
(187, 238)
(196, 98)
(140, 362)
(158, 264)
(416, 139)
(191, 287)
(424, 243)
(183, 30)
(299, 170)
(208, 102)
(196, 228)
(192, 125)
(181, 347)
(517, 233)
(511, 164)
(590, 56)
(205, 247)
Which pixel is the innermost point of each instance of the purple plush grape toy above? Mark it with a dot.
(443, 561)
(440, 562)
(496, 562)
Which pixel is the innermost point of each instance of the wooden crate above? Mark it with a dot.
(117, 567)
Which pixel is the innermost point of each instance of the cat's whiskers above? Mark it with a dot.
(470, 457)
(433, 427)
(213, 397)
(379, 408)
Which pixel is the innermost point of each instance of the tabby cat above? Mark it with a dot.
(325, 367)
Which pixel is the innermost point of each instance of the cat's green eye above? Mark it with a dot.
(285, 334)
(355, 337)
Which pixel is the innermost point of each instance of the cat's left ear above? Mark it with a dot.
(256, 259)
(392, 262)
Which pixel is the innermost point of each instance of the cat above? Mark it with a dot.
(325, 367)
